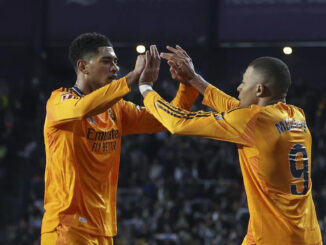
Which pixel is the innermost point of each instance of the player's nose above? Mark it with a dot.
(239, 88)
(115, 68)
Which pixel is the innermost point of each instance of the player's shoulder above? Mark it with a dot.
(242, 115)
(62, 94)
(297, 109)
(248, 110)
(290, 110)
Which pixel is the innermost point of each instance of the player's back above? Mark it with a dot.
(277, 178)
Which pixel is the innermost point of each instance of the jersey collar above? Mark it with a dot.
(77, 91)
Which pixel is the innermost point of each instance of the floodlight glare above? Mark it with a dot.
(140, 49)
(287, 50)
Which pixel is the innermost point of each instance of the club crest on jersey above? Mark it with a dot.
(111, 115)
(91, 120)
(66, 97)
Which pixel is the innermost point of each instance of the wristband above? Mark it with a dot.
(144, 87)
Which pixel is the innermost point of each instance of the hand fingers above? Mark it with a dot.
(155, 59)
(172, 57)
(151, 55)
(179, 48)
(142, 58)
(182, 50)
(157, 55)
(166, 56)
(147, 58)
(173, 73)
(172, 63)
(174, 50)
(140, 62)
(139, 57)
(151, 50)
(175, 69)
(176, 65)
(178, 52)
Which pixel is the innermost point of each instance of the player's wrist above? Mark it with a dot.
(132, 78)
(145, 88)
(195, 77)
(137, 73)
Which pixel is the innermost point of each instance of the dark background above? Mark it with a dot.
(172, 190)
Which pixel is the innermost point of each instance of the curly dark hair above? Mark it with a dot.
(86, 44)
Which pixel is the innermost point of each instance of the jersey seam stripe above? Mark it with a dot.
(180, 110)
(183, 114)
(189, 114)
(171, 113)
(179, 114)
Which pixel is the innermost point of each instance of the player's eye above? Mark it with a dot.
(106, 61)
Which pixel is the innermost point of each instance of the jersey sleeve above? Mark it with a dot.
(136, 119)
(63, 107)
(185, 97)
(235, 126)
(218, 100)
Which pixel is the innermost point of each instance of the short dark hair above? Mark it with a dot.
(86, 44)
(274, 72)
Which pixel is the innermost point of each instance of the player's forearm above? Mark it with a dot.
(185, 97)
(218, 100)
(92, 104)
(103, 98)
(200, 124)
(199, 83)
(132, 78)
(174, 119)
(213, 97)
(153, 104)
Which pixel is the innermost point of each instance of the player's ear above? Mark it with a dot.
(262, 90)
(82, 66)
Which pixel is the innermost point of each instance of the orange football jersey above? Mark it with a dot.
(274, 145)
(82, 136)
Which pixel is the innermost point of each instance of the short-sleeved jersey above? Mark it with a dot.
(274, 145)
(82, 136)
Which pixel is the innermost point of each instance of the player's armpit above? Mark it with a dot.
(136, 119)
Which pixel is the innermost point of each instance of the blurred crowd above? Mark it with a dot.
(172, 190)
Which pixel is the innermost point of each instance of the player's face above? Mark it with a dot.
(102, 68)
(247, 88)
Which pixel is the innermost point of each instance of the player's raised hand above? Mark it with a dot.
(133, 76)
(181, 66)
(152, 66)
(175, 74)
(140, 64)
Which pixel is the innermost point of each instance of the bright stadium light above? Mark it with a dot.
(287, 50)
(140, 49)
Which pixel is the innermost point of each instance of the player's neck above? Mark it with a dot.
(270, 101)
(83, 85)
